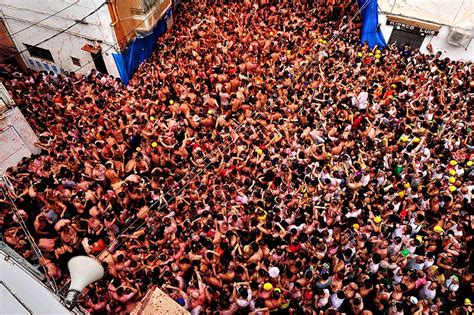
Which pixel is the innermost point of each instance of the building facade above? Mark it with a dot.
(18, 279)
(17, 138)
(445, 26)
(76, 35)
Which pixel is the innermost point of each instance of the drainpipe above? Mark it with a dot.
(116, 25)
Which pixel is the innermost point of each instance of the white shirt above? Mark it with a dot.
(396, 207)
(244, 303)
(426, 293)
(428, 263)
(398, 232)
(224, 98)
(450, 285)
(394, 248)
(365, 180)
(335, 301)
(396, 278)
(361, 101)
(373, 267)
(323, 299)
(415, 227)
(323, 54)
(354, 214)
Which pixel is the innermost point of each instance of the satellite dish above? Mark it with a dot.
(83, 270)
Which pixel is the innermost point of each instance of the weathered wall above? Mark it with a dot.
(17, 139)
(439, 42)
(19, 14)
(130, 14)
(457, 13)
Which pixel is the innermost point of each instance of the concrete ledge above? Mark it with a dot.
(158, 302)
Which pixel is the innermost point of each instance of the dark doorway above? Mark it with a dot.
(401, 38)
(99, 63)
(8, 50)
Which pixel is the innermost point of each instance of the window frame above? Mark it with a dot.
(78, 61)
(39, 53)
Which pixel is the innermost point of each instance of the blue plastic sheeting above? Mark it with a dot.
(139, 50)
(370, 21)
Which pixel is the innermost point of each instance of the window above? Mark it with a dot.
(76, 61)
(145, 6)
(38, 52)
(401, 38)
(148, 4)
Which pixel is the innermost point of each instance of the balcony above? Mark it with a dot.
(148, 15)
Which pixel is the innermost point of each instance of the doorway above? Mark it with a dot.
(99, 63)
(402, 38)
(8, 51)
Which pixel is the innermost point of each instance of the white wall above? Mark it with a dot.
(457, 13)
(19, 284)
(447, 13)
(17, 139)
(19, 14)
(439, 42)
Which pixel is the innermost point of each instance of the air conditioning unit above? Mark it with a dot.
(459, 37)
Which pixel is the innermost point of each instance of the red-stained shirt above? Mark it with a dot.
(294, 248)
(357, 122)
(58, 100)
(98, 246)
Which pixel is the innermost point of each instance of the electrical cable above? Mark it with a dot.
(6, 185)
(109, 247)
(57, 34)
(334, 37)
(38, 22)
(112, 46)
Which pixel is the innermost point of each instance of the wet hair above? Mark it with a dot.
(120, 291)
(276, 295)
(116, 282)
(243, 293)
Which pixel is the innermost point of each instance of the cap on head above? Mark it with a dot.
(438, 229)
(267, 286)
(274, 272)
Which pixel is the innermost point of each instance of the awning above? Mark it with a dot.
(413, 25)
(91, 49)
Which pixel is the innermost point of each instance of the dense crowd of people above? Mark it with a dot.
(261, 161)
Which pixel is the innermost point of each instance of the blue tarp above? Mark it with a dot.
(370, 21)
(139, 50)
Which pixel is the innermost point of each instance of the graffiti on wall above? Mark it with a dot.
(41, 65)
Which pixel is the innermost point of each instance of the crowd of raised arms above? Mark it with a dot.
(261, 160)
